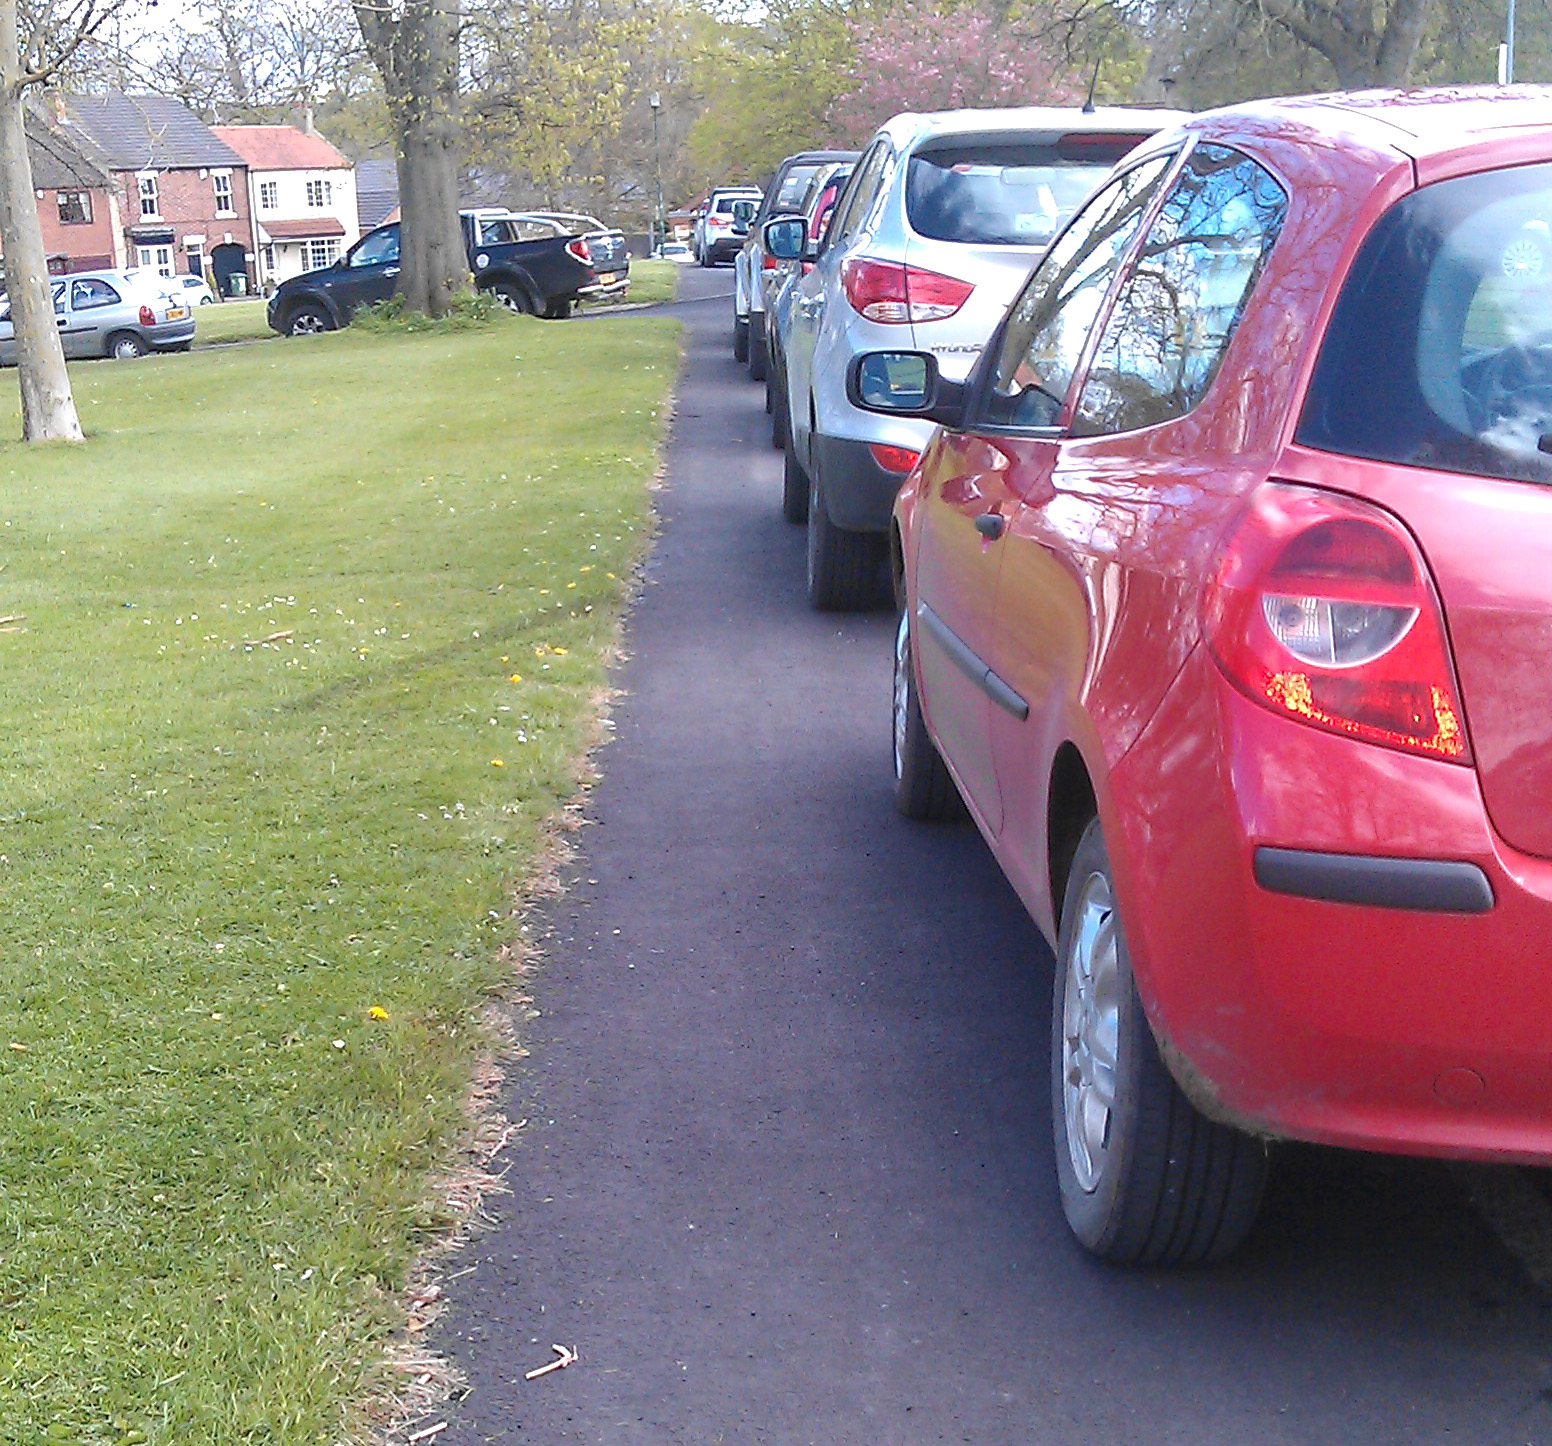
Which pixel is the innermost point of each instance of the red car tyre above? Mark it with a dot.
(1144, 1177)
(924, 789)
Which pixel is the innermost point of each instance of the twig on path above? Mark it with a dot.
(567, 1356)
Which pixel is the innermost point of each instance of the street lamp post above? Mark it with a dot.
(659, 220)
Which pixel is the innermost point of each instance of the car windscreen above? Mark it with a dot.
(1439, 351)
(724, 204)
(789, 195)
(990, 193)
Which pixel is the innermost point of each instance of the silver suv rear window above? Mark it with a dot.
(1439, 351)
(991, 193)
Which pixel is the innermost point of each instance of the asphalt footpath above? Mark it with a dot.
(786, 1176)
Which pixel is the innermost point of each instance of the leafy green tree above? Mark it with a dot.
(550, 89)
(770, 89)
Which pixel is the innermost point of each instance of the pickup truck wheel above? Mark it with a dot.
(558, 310)
(513, 297)
(845, 569)
(924, 790)
(308, 320)
(740, 338)
(1144, 1178)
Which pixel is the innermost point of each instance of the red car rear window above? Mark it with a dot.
(1439, 352)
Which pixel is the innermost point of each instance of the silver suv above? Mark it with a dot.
(943, 219)
(721, 228)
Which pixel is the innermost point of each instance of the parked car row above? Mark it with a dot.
(1214, 520)
(935, 233)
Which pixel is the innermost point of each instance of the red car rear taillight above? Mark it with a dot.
(1322, 609)
(581, 250)
(147, 316)
(769, 262)
(892, 292)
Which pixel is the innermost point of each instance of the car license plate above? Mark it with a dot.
(609, 277)
(177, 313)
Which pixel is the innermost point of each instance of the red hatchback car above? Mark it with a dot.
(1226, 606)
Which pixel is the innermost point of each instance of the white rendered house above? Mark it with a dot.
(302, 195)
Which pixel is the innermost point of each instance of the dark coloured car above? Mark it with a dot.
(607, 250)
(754, 263)
(540, 269)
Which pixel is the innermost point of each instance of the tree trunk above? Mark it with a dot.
(48, 408)
(416, 53)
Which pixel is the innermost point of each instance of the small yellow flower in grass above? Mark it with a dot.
(559, 652)
(377, 1012)
(497, 763)
(515, 678)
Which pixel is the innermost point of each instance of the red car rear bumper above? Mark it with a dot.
(1423, 1027)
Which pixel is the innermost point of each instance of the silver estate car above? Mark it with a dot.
(111, 313)
(943, 219)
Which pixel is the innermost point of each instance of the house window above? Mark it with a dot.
(323, 252)
(319, 194)
(223, 183)
(269, 257)
(269, 195)
(149, 204)
(75, 207)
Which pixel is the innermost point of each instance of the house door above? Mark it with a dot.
(158, 258)
(230, 264)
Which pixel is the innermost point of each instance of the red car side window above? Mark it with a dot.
(1171, 324)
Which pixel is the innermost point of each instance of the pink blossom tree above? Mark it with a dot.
(922, 56)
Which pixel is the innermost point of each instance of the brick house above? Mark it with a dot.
(76, 210)
(302, 195)
(181, 192)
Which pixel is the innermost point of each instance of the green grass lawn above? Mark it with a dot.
(303, 650)
(651, 281)
(230, 321)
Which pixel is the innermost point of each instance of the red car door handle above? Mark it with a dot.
(990, 525)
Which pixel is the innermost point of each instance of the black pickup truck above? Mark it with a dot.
(530, 269)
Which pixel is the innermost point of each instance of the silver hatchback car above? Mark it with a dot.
(941, 223)
(111, 313)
